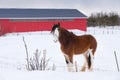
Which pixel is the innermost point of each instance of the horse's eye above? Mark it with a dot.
(58, 29)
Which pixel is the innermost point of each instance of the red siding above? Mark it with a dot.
(7, 26)
(4, 26)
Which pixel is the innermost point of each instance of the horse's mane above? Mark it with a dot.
(66, 32)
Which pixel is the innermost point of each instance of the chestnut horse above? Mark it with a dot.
(74, 45)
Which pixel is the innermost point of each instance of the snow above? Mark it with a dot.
(38, 75)
(13, 56)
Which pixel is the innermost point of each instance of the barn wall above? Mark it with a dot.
(9, 26)
(4, 26)
(75, 24)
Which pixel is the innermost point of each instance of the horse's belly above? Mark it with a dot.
(78, 53)
(80, 50)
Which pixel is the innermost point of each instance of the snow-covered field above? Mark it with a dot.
(13, 56)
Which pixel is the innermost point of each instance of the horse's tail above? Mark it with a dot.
(90, 58)
(89, 61)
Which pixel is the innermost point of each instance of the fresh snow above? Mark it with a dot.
(48, 75)
(13, 56)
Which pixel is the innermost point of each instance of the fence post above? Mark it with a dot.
(116, 60)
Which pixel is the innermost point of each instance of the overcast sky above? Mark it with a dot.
(85, 6)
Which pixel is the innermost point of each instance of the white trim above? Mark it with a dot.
(45, 18)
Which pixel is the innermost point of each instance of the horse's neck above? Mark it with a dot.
(65, 36)
(64, 33)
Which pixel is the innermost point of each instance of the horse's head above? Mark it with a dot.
(55, 31)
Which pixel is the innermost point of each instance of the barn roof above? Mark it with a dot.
(40, 13)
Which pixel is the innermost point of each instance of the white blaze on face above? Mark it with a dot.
(56, 35)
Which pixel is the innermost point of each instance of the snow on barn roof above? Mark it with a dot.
(40, 13)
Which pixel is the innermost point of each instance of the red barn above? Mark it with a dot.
(24, 20)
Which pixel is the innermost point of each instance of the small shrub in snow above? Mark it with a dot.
(38, 61)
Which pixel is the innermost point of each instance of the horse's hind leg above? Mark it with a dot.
(89, 59)
(85, 63)
(88, 62)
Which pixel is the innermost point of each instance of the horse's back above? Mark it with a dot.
(88, 41)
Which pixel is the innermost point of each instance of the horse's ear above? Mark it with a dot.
(59, 24)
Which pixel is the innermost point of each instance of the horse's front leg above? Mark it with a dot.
(69, 62)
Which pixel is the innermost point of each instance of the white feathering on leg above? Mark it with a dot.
(70, 65)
